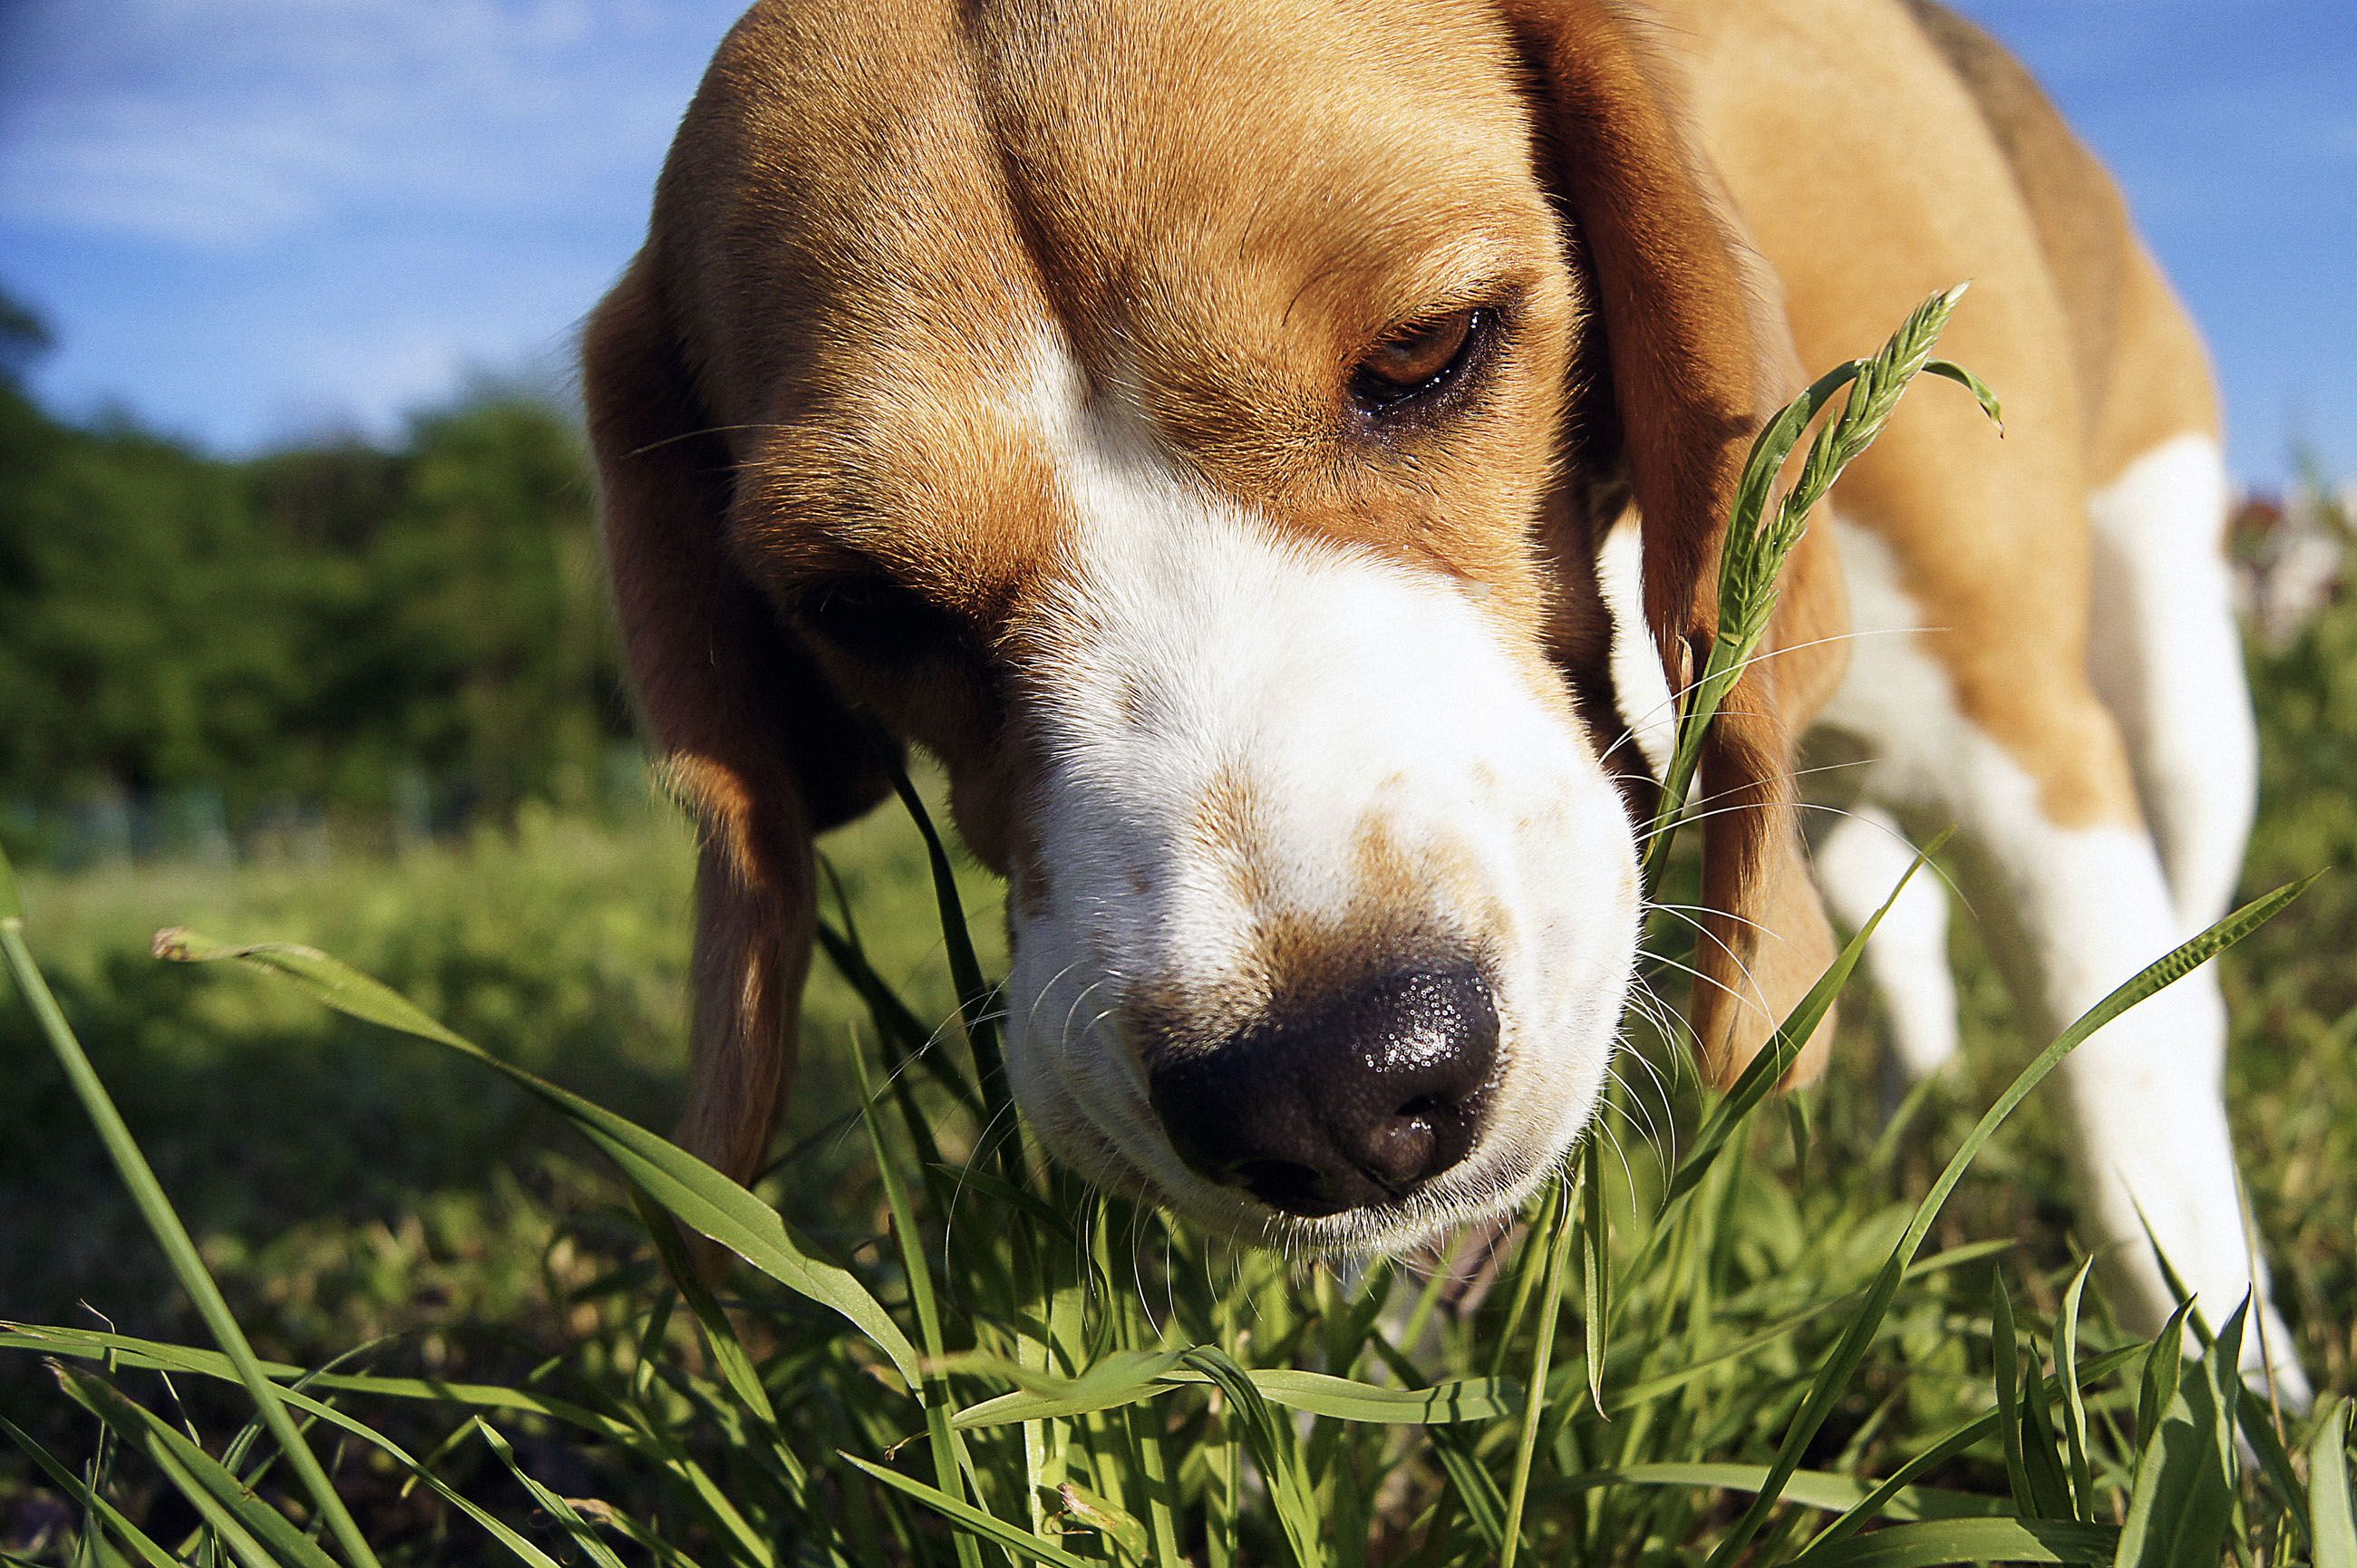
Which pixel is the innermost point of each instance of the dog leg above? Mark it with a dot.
(2087, 908)
(1858, 862)
(2070, 884)
(2167, 660)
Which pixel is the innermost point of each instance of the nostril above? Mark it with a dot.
(1399, 1152)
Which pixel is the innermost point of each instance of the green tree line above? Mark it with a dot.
(335, 624)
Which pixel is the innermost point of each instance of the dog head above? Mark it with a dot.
(1192, 425)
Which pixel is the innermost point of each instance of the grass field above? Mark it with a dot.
(355, 1189)
(367, 1195)
(349, 1186)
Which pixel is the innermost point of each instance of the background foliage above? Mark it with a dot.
(415, 633)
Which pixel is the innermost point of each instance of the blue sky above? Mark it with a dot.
(250, 220)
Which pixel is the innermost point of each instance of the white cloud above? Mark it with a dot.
(237, 123)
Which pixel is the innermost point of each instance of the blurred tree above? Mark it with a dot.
(492, 614)
(327, 623)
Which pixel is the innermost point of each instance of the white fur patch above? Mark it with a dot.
(2073, 912)
(1646, 704)
(2168, 659)
(1193, 655)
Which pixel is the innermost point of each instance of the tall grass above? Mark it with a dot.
(996, 1365)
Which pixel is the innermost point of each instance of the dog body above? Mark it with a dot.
(1204, 428)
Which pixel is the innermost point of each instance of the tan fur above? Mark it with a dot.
(871, 211)
(1872, 176)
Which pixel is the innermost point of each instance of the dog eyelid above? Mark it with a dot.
(1416, 363)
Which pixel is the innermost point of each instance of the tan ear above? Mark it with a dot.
(747, 731)
(1694, 361)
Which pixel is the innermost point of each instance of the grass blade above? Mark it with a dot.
(2074, 1408)
(204, 1363)
(969, 1519)
(2035, 1474)
(1969, 1435)
(1550, 1304)
(89, 1499)
(2332, 1522)
(720, 1341)
(1596, 1263)
(1290, 1494)
(584, 1535)
(942, 1438)
(259, 1533)
(1948, 1540)
(2006, 1347)
(691, 1190)
(1344, 1399)
(2182, 1507)
(965, 970)
(92, 1345)
(2258, 1429)
(1127, 1376)
(2049, 1485)
(1473, 1487)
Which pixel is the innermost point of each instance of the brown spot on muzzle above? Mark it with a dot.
(1226, 827)
(1403, 902)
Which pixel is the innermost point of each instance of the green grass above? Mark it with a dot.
(937, 1361)
(365, 1190)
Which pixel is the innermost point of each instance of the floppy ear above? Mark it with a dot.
(1694, 359)
(747, 732)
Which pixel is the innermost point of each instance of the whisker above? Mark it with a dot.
(1652, 1129)
(1673, 1024)
(1733, 957)
(1759, 1001)
(982, 1149)
(1749, 805)
(1662, 1086)
(1687, 911)
(698, 434)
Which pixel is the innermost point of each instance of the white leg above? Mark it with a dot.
(2073, 912)
(2167, 659)
(1858, 862)
(2147, 1090)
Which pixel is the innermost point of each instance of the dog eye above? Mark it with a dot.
(1418, 361)
(870, 617)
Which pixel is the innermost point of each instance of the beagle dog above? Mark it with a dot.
(1274, 455)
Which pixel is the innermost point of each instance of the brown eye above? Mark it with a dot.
(1417, 360)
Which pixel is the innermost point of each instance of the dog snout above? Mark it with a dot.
(1350, 1101)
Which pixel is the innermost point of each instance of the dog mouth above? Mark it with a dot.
(1485, 1188)
(1360, 1087)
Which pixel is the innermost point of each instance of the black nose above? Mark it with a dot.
(1352, 1102)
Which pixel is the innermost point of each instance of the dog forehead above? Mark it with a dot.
(1178, 169)
(1210, 208)
(1134, 131)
